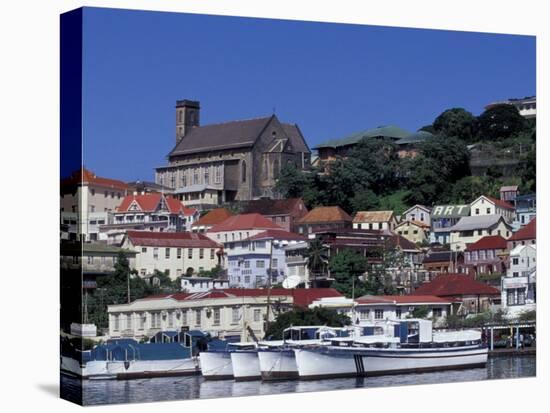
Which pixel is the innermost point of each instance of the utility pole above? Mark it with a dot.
(128, 287)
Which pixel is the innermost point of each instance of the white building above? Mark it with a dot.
(225, 313)
(240, 227)
(252, 260)
(527, 106)
(174, 253)
(418, 213)
(202, 284)
(486, 205)
(296, 261)
(519, 285)
(375, 220)
(387, 307)
(471, 229)
(87, 201)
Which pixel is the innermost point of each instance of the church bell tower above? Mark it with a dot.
(187, 117)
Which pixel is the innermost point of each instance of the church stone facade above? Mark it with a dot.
(232, 161)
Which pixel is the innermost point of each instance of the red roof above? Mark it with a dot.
(171, 239)
(449, 285)
(244, 221)
(302, 297)
(500, 202)
(403, 299)
(149, 203)
(529, 231)
(85, 176)
(490, 242)
(216, 216)
(325, 214)
(278, 234)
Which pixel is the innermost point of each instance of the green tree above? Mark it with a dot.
(458, 123)
(420, 312)
(467, 189)
(319, 316)
(317, 258)
(346, 268)
(500, 122)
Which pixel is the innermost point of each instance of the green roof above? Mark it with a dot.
(391, 131)
(415, 137)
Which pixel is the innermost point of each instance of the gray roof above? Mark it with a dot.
(477, 222)
(232, 135)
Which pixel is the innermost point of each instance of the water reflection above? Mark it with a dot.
(182, 388)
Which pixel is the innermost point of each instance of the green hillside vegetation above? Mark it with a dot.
(374, 177)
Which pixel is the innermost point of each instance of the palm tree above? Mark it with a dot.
(316, 258)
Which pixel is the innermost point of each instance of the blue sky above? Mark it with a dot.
(330, 79)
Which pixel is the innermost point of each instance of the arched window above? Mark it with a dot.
(275, 169)
(243, 171)
(264, 169)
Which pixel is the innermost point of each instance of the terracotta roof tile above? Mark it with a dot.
(373, 216)
(244, 221)
(272, 206)
(529, 231)
(500, 203)
(149, 203)
(215, 216)
(446, 285)
(278, 234)
(85, 176)
(171, 239)
(325, 214)
(491, 242)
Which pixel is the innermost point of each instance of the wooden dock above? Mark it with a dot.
(512, 351)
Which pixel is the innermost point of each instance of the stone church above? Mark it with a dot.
(231, 161)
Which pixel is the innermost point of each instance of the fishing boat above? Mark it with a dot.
(276, 358)
(413, 346)
(167, 354)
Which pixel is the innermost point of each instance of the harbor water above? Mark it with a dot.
(96, 392)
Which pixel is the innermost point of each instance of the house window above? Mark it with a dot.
(477, 211)
(275, 262)
(247, 264)
(216, 317)
(144, 249)
(364, 314)
(142, 320)
(247, 279)
(184, 317)
(178, 253)
(437, 312)
(515, 261)
(257, 315)
(488, 211)
(212, 254)
(197, 317)
(378, 314)
(234, 315)
(155, 320)
(260, 264)
(201, 253)
(398, 312)
(116, 323)
(156, 253)
(167, 253)
(189, 253)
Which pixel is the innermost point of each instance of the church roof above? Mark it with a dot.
(232, 135)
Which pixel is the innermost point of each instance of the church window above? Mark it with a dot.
(264, 169)
(195, 176)
(207, 176)
(218, 175)
(275, 169)
(180, 114)
(243, 171)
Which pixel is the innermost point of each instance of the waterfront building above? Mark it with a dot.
(371, 308)
(174, 253)
(211, 218)
(202, 284)
(474, 296)
(519, 284)
(283, 212)
(526, 235)
(442, 218)
(240, 227)
(414, 231)
(471, 229)
(231, 161)
(418, 213)
(486, 205)
(486, 256)
(375, 220)
(259, 260)
(87, 201)
(322, 219)
(526, 209)
(527, 106)
(233, 313)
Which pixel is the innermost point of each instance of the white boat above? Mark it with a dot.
(276, 358)
(218, 365)
(413, 347)
(246, 365)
